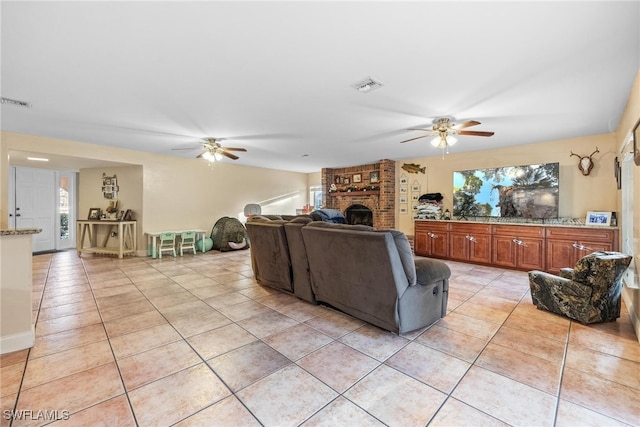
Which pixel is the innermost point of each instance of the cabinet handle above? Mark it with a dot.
(519, 242)
(432, 235)
(471, 239)
(581, 247)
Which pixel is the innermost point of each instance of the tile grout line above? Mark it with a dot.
(28, 358)
(115, 360)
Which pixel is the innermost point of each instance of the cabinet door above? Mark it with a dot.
(504, 252)
(420, 243)
(560, 254)
(439, 244)
(564, 253)
(480, 248)
(530, 253)
(458, 246)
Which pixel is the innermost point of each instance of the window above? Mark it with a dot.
(315, 196)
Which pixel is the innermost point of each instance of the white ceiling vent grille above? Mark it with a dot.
(367, 85)
(16, 103)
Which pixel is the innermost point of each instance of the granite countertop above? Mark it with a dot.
(20, 231)
(560, 222)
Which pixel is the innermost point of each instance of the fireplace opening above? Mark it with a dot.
(359, 214)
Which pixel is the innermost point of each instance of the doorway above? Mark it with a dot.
(43, 198)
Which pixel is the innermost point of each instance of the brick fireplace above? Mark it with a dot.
(371, 186)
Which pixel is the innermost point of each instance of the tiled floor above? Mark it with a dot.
(193, 341)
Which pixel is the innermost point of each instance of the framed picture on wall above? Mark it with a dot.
(357, 178)
(374, 177)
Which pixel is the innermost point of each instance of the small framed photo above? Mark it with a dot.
(404, 209)
(337, 180)
(415, 187)
(403, 199)
(357, 178)
(415, 197)
(128, 215)
(403, 180)
(94, 213)
(374, 177)
(121, 216)
(346, 181)
(598, 218)
(404, 189)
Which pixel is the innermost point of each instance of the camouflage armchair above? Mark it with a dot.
(589, 292)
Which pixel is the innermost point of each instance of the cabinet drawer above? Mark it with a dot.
(590, 234)
(518, 230)
(471, 228)
(431, 226)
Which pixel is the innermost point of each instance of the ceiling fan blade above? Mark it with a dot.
(185, 148)
(412, 139)
(424, 129)
(199, 156)
(475, 133)
(234, 149)
(466, 124)
(229, 155)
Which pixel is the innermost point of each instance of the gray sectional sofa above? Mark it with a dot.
(367, 273)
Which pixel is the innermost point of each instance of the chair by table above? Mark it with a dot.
(167, 243)
(187, 241)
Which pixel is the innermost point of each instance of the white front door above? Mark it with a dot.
(35, 205)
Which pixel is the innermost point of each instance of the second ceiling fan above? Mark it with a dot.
(443, 131)
(214, 149)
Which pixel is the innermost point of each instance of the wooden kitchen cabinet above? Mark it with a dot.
(523, 247)
(431, 239)
(518, 246)
(470, 242)
(566, 245)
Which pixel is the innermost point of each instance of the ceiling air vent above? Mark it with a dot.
(367, 85)
(16, 103)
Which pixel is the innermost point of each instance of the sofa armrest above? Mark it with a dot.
(429, 270)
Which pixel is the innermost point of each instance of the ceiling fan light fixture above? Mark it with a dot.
(443, 140)
(208, 155)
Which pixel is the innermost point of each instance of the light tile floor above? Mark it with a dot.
(193, 341)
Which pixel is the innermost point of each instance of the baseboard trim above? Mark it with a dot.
(19, 341)
(628, 301)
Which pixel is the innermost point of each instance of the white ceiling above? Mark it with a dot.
(275, 77)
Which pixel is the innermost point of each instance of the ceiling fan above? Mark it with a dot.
(443, 130)
(213, 150)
